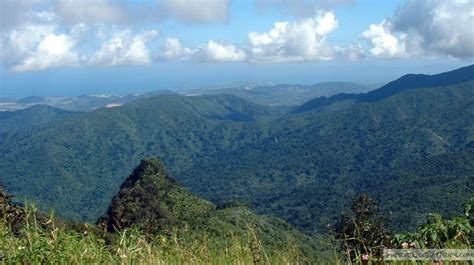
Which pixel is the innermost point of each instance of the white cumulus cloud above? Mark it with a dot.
(52, 51)
(21, 41)
(174, 49)
(124, 49)
(38, 47)
(295, 41)
(218, 52)
(384, 43)
(426, 28)
(439, 26)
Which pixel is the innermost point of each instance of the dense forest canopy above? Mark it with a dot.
(411, 149)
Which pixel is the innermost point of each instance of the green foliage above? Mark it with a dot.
(10, 213)
(30, 118)
(411, 151)
(45, 241)
(363, 236)
(438, 233)
(364, 233)
(150, 198)
(61, 246)
(154, 204)
(224, 236)
(404, 83)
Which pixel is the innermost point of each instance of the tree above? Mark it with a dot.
(13, 215)
(362, 234)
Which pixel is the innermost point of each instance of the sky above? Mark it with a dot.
(74, 47)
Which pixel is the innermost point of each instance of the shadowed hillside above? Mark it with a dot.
(301, 167)
(21, 120)
(406, 82)
(155, 203)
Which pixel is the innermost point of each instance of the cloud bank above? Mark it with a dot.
(42, 34)
(124, 49)
(218, 52)
(173, 49)
(295, 41)
(425, 28)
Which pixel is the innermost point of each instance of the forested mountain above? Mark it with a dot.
(312, 163)
(82, 160)
(153, 218)
(270, 95)
(155, 203)
(14, 121)
(285, 94)
(303, 167)
(406, 82)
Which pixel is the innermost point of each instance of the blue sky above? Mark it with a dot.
(72, 47)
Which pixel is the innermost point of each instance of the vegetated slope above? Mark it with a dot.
(285, 94)
(152, 219)
(153, 202)
(20, 120)
(302, 167)
(311, 164)
(151, 199)
(77, 165)
(406, 82)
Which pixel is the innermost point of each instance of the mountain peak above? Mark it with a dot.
(150, 167)
(151, 200)
(406, 82)
(413, 81)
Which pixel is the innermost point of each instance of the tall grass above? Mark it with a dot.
(45, 242)
(48, 241)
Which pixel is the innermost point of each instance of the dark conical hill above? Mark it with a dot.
(150, 198)
(155, 203)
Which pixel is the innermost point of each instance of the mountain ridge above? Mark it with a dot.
(300, 167)
(283, 95)
(152, 201)
(32, 117)
(406, 82)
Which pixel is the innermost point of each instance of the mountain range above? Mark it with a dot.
(87, 102)
(271, 95)
(29, 118)
(410, 144)
(150, 200)
(171, 224)
(406, 82)
(284, 94)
